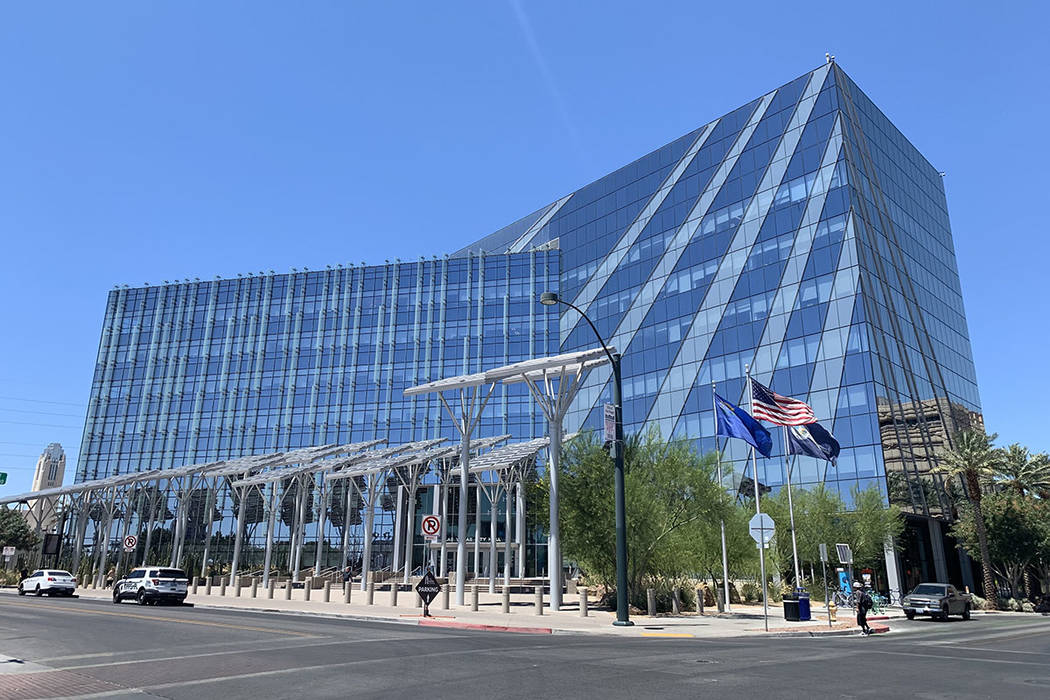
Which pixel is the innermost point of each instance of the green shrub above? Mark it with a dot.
(751, 592)
(1013, 605)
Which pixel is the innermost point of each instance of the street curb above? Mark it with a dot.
(303, 613)
(485, 628)
(482, 627)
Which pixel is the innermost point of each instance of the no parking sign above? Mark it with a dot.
(431, 526)
(130, 542)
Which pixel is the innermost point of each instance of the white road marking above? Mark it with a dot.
(924, 655)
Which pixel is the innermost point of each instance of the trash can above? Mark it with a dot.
(791, 608)
(803, 607)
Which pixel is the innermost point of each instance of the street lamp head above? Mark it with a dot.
(549, 299)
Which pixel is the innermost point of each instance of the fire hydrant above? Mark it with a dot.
(832, 609)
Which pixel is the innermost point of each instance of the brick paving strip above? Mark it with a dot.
(50, 684)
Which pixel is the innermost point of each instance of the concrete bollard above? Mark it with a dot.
(236, 586)
(347, 587)
(444, 596)
(371, 590)
(650, 601)
(538, 602)
(327, 591)
(700, 601)
(193, 589)
(676, 602)
(583, 601)
(271, 588)
(207, 586)
(306, 590)
(720, 598)
(506, 600)
(288, 590)
(475, 589)
(255, 587)
(222, 588)
(393, 595)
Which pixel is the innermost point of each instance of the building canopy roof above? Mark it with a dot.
(566, 362)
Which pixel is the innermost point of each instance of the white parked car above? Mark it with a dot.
(150, 585)
(50, 581)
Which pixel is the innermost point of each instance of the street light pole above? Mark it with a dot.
(622, 610)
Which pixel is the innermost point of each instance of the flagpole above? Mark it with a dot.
(791, 508)
(721, 497)
(758, 507)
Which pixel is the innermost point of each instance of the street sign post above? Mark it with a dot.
(823, 553)
(9, 552)
(431, 527)
(130, 542)
(428, 588)
(762, 527)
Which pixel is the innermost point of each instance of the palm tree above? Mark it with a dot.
(975, 458)
(1024, 472)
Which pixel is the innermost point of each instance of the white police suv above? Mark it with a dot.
(48, 581)
(152, 585)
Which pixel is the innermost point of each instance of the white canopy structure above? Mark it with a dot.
(507, 468)
(553, 383)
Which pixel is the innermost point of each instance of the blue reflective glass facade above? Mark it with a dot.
(204, 371)
(800, 235)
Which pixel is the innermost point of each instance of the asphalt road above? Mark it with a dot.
(81, 648)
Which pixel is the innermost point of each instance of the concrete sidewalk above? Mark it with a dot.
(744, 620)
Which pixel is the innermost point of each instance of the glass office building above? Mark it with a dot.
(800, 235)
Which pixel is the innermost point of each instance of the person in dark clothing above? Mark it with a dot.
(347, 574)
(864, 604)
(24, 573)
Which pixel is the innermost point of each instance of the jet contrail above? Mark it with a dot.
(548, 77)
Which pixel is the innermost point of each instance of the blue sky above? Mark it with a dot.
(143, 142)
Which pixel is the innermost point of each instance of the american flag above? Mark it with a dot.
(779, 410)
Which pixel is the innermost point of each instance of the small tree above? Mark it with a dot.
(14, 531)
(871, 524)
(1042, 553)
(671, 492)
(1015, 535)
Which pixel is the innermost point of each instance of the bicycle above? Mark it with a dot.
(843, 599)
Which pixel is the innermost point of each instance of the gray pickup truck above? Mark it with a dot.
(938, 600)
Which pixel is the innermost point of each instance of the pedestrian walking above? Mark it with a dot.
(347, 573)
(24, 573)
(864, 604)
